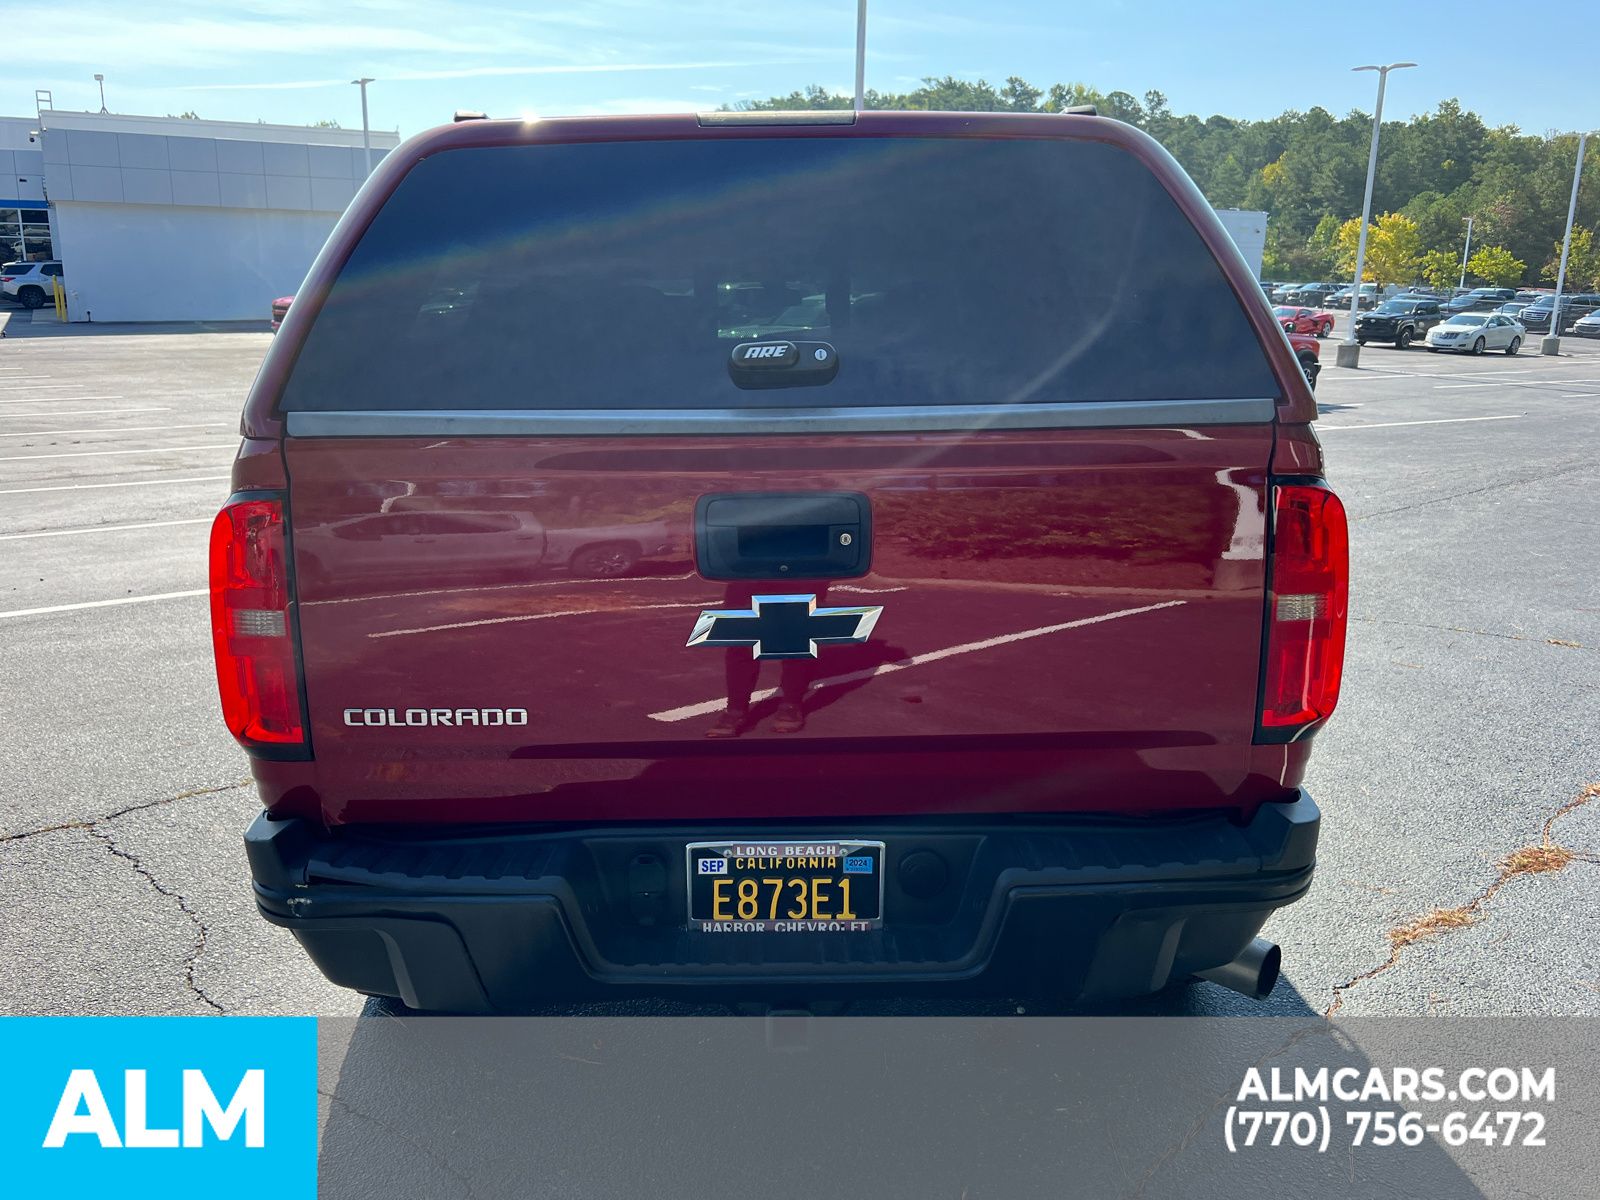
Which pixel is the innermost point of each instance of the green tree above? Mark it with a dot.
(1020, 96)
(1303, 168)
(1322, 247)
(1583, 261)
(1442, 268)
(1394, 248)
(1496, 266)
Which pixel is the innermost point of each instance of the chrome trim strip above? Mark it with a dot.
(635, 422)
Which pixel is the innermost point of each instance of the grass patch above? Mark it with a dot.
(1440, 920)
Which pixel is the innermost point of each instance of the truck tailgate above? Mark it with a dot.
(1062, 612)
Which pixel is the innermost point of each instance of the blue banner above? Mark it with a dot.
(154, 1106)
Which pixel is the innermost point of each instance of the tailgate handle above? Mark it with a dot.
(783, 535)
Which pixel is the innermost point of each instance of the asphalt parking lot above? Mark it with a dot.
(1470, 717)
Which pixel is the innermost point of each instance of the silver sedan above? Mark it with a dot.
(1473, 333)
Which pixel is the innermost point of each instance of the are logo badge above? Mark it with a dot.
(766, 354)
(784, 626)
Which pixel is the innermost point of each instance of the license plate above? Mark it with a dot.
(785, 886)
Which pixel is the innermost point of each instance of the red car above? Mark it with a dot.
(280, 309)
(1305, 320)
(992, 663)
(1308, 351)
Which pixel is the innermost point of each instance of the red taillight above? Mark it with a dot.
(252, 628)
(1307, 602)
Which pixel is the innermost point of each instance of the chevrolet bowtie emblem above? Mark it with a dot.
(783, 626)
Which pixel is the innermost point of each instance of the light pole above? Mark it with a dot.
(101, 80)
(1552, 344)
(861, 54)
(366, 136)
(1348, 354)
(1466, 250)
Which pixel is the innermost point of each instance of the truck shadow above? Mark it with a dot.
(612, 1105)
(1193, 999)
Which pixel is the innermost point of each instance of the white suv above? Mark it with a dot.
(30, 283)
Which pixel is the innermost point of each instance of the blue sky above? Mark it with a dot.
(288, 60)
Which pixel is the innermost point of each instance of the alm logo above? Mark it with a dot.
(82, 1110)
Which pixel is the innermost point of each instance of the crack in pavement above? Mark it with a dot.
(1186, 1139)
(202, 931)
(94, 827)
(1543, 857)
(1488, 487)
(1510, 637)
(349, 1109)
(91, 822)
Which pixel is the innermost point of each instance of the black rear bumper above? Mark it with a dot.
(497, 920)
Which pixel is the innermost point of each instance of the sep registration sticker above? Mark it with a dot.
(788, 886)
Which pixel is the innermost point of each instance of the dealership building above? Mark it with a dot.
(174, 219)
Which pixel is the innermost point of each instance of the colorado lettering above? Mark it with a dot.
(435, 716)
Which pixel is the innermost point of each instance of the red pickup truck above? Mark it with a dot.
(993, 650)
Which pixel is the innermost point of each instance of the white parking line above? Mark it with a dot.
(493, 587)
(17, 537)
(1446, 387)
(706, 707)
(1396, 424)
(60, 608)
(83, 412)
(119, 429)
(59, 399)
(84, 487)
(109, 453)
(544, 616)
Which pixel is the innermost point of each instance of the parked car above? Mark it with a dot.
(481, 798)
(1512, 307)
(1574, 307)
(1309, 295)
(1589, 326)
(1473, 333)
(280, 309)
(1483, 299)
(1340, 300)
(1308, 353)
(1281, 293)
(1401, 321)
(483, 548)
(1305, 320)
(31, 284)
(1532, 295)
